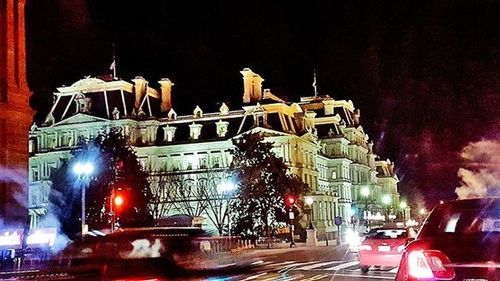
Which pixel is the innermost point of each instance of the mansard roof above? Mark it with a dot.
(118, 99)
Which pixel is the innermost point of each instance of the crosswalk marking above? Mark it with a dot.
(295, 265)
(343, 266)
(308, 267)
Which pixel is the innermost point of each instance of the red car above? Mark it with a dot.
(460, 240)
(384, 246)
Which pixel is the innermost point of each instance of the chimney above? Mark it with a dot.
(257, 88)
(140, 87)
(166, 94)
(247, 84)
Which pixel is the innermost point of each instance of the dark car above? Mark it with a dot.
(149, 253)
(459, 240)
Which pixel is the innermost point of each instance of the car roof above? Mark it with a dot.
(471, 203)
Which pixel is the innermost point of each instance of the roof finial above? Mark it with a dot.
(113, 64)
(314, 85)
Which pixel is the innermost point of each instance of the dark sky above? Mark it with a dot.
(426, 76)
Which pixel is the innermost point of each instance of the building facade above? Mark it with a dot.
(187, 156)
(15, 114)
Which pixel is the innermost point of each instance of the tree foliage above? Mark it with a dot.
(264, 183)
(115, 167)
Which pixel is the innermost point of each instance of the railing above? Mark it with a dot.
(216, 244)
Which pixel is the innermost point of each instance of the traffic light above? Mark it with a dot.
(290, 200)
(118, 200)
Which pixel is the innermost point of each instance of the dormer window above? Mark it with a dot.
(259, 116)
(82, 103)
(172, 115)
(224, 110)
(198, 113)
(168, 133)
(309, 118)
(195, 131)
(222, 128)
(328, 105)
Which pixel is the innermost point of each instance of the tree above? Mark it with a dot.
(264, 183)
(116, 167)
(192, 194)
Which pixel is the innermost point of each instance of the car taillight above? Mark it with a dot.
(365, 248)
(429, 264)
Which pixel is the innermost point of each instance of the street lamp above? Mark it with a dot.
(422, 212)
(226, 188)
(309, 202)
(386, 199)
(83, 170)
(365, 192)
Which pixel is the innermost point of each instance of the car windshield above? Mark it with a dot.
(387, 233)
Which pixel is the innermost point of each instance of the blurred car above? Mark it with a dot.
(460, 240)
(172, 252)
(384, 246)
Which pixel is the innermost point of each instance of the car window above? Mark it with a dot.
(387, 234)
(463, 221)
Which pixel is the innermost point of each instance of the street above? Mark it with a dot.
(302, 263)
(319, 263)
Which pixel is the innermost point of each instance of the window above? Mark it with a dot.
(334, 174)
(34, 174)
(216, 162)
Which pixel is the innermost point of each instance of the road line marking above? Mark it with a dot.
(394, 270)
(254, 276)
(362, 276)
(343, 266)
(295, 265)
(317, 265)
(281, 263)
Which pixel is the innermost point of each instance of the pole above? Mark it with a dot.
(229, 222)
(83, 208)
(292, 242)
(111, 212)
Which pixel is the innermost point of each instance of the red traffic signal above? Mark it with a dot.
(118, 200)
(290, 200)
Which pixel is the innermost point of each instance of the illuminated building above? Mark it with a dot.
(318, 137)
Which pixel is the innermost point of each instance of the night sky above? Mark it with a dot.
(425, 76)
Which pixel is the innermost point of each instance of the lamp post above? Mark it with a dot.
(403, 206)
(290, 201)
(422, 213)
(83, 170)
(309, 202)
(386, 199)
(365, 192)
(226, 188)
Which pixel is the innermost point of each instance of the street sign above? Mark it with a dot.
(338, 221)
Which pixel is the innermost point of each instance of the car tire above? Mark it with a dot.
(365, 268)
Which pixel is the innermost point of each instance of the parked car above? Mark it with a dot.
(384, 246)
(460, 240)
